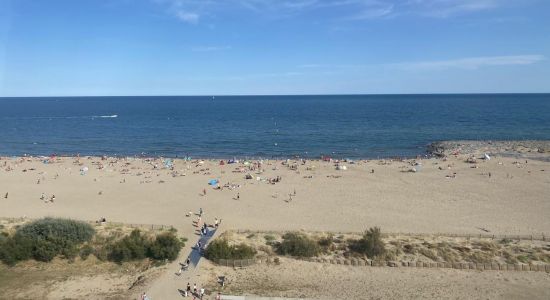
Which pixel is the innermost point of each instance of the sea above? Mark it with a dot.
(343, 126)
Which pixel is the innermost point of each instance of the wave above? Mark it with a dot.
(111, 116)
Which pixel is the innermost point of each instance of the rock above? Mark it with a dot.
(393, 264)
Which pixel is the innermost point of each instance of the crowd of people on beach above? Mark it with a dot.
(253, 171)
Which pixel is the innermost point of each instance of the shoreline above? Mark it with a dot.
(438, 149)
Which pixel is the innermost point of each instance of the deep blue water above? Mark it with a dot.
(265, 126)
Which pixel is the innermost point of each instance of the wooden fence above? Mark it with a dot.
(529, 237)
(447, 265)
(240, 263)
(131, 225)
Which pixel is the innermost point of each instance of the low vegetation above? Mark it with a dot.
(221, 249)
(374, 245)
(297, 244)
(370, 244)
(45, 239)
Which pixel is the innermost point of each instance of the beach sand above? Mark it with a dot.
(456, 199)
(504, 195)
(300, 279)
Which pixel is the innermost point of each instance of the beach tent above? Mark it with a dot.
(248, 176)
(168, 163)
(83, 171)
(213, 182)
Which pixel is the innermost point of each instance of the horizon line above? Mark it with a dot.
(285, 95)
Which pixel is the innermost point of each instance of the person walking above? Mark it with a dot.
(202, 292)
(194, 288)
(188, 288)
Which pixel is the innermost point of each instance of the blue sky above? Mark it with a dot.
(214, 47)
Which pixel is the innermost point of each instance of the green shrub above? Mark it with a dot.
(44, 250)
(14, 249)
(269, 239)
(165, 246)
(47, 238)
(44, 239)
(297, 244)
(63, 229)
(85, 251)
(132, 247)
(371, 244)
(243, 251)
(327, 243)
(220, 249)
(102, 253)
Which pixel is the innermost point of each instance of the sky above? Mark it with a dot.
(251, 47)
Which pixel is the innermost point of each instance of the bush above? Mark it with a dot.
(371, 244)
(327, 243)
(165, 246)
(14, 249)
(45, 239)
(296, 244)
(132, 247)
(269, 239)
(137, 246)
(44, 250)
(63, 229)
(220, 249)
(86, 251)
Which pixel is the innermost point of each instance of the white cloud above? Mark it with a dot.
(190, 11)
(472, 63)
(447, 8)
(374, 12)
(187, 17)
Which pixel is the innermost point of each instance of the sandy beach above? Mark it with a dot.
(457, 194)
(502, 196)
